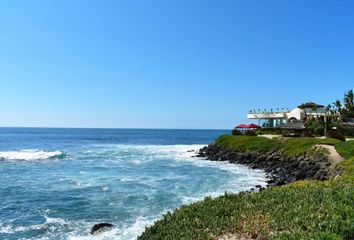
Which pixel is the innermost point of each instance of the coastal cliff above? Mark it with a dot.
(280, 169)
(310, 194)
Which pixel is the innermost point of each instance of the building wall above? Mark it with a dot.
(296, 113)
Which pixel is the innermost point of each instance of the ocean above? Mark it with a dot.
(58, 183)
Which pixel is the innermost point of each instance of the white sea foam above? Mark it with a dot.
(30, 154)
(143, 153)
(50, 225)
(126, 232)
(241, 178)
(6, 229)
(178, 153)
(49, 220)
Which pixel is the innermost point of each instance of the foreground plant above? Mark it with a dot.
(301, 210)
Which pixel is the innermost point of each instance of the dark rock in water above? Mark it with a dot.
(270, 181)
(99, 227)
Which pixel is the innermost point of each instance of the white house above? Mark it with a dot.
(275, 118)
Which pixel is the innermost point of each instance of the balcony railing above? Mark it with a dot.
(316, 111)
(271, 111)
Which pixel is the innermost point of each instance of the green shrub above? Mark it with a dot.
(236, 132)
(315, 126)
(307, 134)
(250, 133)
(346, 130)
(335, 134)
(270, 131)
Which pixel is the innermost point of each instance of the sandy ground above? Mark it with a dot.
(234, 236)
(333, 154)
(271, 136)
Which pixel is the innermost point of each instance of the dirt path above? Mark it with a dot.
(234, 236)
(333, 154)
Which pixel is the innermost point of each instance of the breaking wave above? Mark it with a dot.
(30, 154)
(130, 186)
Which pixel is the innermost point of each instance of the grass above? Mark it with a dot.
(303, 145)
(289, 147)
(345, 149)
(301, 210)
(246, 143)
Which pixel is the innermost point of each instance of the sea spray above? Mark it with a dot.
(128, 185)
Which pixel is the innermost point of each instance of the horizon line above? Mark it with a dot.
(128, 128)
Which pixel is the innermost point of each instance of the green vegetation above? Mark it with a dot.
(346, 130)
(307, 134)
(289, 147)
(315, 126)
(250, 133)
(301, 210)
(305, 145)
(236, 132)
(345, 109)
(336, 135)
(269, 131)
(246, 143)
(338, 115)
(345, 149)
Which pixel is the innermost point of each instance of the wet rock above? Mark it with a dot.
(99, 227)
(270, 181)
(281, 170)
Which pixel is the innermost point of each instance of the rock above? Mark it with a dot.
(280, 169)
(99, 227)
(258, 186)
(270, 181)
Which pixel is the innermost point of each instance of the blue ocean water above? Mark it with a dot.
(57, 183)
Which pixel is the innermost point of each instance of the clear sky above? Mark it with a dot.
(169, 64)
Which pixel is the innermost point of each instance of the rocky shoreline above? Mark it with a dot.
(279, 169)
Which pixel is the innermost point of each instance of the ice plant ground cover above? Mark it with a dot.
(301, 210)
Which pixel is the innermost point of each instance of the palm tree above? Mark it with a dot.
(338, 106)
(349, 99)
(348, 110)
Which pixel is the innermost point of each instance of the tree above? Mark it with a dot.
(348, 108)
(337, 106)
(349, 99)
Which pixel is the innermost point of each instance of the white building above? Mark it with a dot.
(275, 118)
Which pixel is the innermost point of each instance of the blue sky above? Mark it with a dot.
(169, 64)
